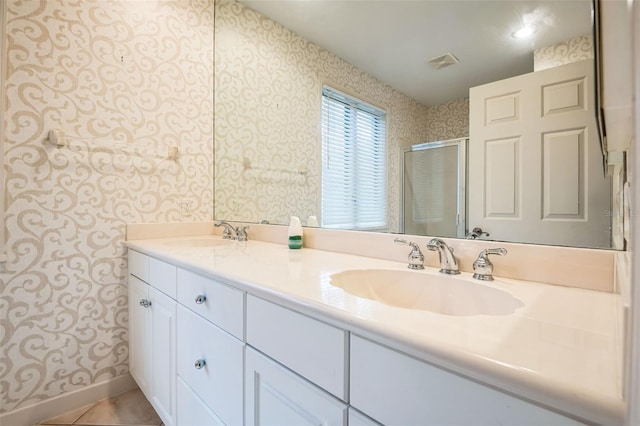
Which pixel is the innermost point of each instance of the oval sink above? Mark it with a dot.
(418, 290)
(198, 242)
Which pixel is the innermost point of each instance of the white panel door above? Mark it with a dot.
(535, 165)
(163, 355)
(139, 336)
(276, 396)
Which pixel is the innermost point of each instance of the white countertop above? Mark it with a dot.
(561, 349)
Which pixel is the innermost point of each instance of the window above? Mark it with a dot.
(354, 182)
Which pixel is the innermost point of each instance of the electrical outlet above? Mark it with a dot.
(185, 207)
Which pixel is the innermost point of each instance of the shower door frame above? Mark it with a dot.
(461, 219)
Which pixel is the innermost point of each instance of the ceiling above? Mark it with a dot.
(394, 39)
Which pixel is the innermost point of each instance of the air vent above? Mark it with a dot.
(443, 61)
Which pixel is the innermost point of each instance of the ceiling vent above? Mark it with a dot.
(443, 61)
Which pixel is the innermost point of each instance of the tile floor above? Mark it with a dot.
(127, 409)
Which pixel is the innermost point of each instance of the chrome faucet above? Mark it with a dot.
(229, 233)
(416, 258)
(482, 267)
(448, 262)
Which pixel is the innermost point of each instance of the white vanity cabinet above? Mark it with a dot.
(152, 332)
(211, 361)
(186, 343)
(192, 410)
(300, 376)
(205, 352)
(356, 418)
(277, 396)
(210, 348)
(139, 334)
(311, 348)
(394, 388)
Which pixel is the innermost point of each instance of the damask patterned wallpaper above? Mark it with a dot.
(574, 50)
(268, 107)
(123, 80)
(448, 121)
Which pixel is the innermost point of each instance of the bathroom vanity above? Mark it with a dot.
(226, 332)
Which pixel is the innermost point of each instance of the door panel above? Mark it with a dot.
(535, 166)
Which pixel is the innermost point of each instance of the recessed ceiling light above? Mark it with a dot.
(524, 32)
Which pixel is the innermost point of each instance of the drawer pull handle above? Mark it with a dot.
(201, 299)
(145, 303)
(200, 363)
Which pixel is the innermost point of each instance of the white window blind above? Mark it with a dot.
(354, 182)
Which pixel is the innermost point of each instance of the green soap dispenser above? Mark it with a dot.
(295, 233)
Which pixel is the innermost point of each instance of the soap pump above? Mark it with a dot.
(295, 233)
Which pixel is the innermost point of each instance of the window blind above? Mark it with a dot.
(354, 182)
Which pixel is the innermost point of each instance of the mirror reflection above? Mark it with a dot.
(274, 129)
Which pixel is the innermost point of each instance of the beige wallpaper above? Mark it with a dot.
(124, 80)
(448, 121)
(268, 97)
(574, 50)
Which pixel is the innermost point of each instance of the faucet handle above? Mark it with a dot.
(241, 233)
(483, 267)
(416, 258)
(498, 251)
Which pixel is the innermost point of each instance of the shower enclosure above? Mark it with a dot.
(434, 196)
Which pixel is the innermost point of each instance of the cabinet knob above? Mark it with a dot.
(200, 363)
(145, 303)
(200, 299)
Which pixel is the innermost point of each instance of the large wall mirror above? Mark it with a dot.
(415, 61)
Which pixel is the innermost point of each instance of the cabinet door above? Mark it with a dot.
(163, 355)
(394, 388)
(139, 336)
(192, 411)
(276, 396)
(356, 418)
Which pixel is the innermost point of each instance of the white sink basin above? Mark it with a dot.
(198, 242)
(419, 290)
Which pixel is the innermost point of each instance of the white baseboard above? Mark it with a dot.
(36, 413)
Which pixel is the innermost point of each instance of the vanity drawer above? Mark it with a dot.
(162, 276)
(394, 388)
(139, 265)
(311, 348)
(211, 362)
(217, 302)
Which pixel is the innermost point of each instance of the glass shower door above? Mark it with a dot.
(434, 189)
